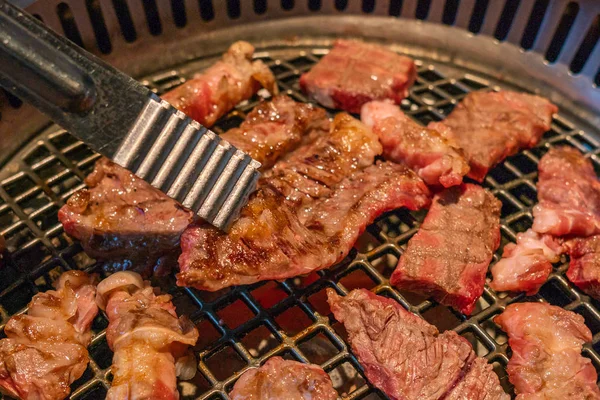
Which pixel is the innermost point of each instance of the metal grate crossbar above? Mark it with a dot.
(243, 326)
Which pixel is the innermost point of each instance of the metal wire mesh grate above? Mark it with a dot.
(241, 327)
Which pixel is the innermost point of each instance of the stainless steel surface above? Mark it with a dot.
(242, 326)
(123, 120)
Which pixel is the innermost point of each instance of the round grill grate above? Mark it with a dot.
(240, 327)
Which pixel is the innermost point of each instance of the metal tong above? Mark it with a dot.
(123, 120)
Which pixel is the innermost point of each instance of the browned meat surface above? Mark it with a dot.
(276, 127)
(211, 94)
(127, 223)
(150, 343)
(449, 256)
(525, 266)
(568, 194)
(354, 73)
(45, 349)
(124, 221)
(490, 126)
(306, 215)
(584, 268)
(282, 379)
(406, 357)
(437, 160)
(546, 360)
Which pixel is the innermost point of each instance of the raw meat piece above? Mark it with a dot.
(124, 221)
(546, 343)
(568, 194)
(406, 357)
(45, 349)
(584, 269)
(354, 73)
(525, 266)
(211, 94)
(149, 341)
(306, 215)
(449, 256)
(437, 160)
(283, 379)
(490, 126)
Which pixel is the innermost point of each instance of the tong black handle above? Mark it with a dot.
(31, 67)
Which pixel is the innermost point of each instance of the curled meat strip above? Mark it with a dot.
(151, 344)
(45, 349)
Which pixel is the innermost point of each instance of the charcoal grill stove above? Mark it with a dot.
(545, 46)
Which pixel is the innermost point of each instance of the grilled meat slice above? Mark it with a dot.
(354, 73)
(406, 357)
(568, 194)
(150, 343)
(449, 256)
(490, 126)
(525, 266)
(546, 360)
(306, 215)
(45, 349)
(125, 222)
(584, 268)
(211, 94)
(437, 160)
(283, 379)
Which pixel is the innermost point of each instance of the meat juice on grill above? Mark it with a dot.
(307, 213)
(283, 379)
(437, 160)
(546, 362)
(212, 93)
(567, 213)
(46, 349)
(490, 126)
(449, 256)
(568, 194)
(125, 222)
(151, 344)
(406, 357)
(354, 73)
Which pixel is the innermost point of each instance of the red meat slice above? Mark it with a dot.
(449, 256)
(354, 73)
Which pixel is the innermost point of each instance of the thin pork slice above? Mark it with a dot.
(490, 126)
(128, 224)
(406, 357)
(214, 92)
(151, 344)
(584, 268)
(354, 73)
(284, 379)
(45, 350)
(546, 360)
(306, 215)
(568, 194)
(437, 160)
(525, 266)
(449, 256)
